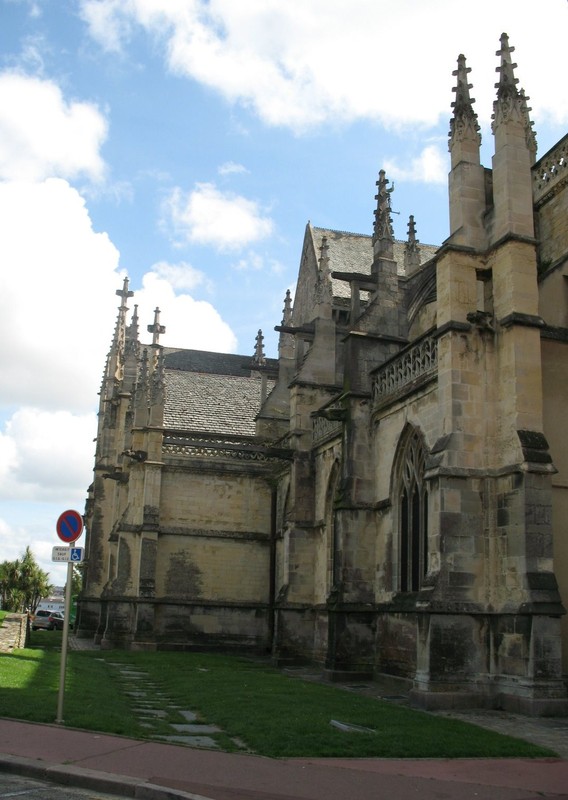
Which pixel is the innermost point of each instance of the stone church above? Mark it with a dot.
(390, 494)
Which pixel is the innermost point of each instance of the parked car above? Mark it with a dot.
(47, 620)
(40, 620)
(56, 620)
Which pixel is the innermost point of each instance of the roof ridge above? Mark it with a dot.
(368, 236)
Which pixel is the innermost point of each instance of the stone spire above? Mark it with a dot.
(158, 383)
(132, 330)
(411, 248)
(323, 292)
(383, 234)
(515, 152)
(287, 310)
(463, 124)
(467, 180)
(511, 104)
(141, 403)
(115, 359)
(286, 340)
(131, 352)
(259, 358)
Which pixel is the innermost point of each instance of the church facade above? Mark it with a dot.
(389, 495)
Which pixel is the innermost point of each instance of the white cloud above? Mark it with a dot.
(189, 323)
(57, 302)
(39, 536)
(42, 135)
(46, 455)
(223, 220)
(300, 65)
(107, 25)
(256, 262)
(431, 166)
(230, 168)
(181, 276)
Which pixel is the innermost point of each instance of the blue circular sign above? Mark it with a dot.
(69, 526)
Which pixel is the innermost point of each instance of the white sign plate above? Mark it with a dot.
(61, 553)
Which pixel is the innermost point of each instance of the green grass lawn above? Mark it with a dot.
(274, 714)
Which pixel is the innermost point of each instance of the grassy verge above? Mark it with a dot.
(273, 714)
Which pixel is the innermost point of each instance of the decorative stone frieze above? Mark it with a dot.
(417, 364)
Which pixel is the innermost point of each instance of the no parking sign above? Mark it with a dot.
(69, 526)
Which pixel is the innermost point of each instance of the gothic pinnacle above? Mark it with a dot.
(511, 103)
(383, 220)
(259, 357)
(412, 240)
(287, 310)
(464, 120)
(507, 80)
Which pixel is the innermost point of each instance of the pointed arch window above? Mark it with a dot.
(413, 517)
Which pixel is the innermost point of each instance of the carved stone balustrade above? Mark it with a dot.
(409, 370)
(550, 171)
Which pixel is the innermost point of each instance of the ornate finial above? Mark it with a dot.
(142, 380)
(511, 103)
(530, 134)
(118, 345)
(287, 310)
(464, 121)
(132, 330)
(259, 358)
(323, 282)
(507, 81)
(411, 248)
(158, 381)
(124, 293)
(412, 241)
(156, 329)
(383, 221)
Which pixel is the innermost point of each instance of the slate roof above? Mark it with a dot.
(211, 392)
(353, 252)
(209, 362)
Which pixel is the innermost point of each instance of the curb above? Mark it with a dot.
(81, 778)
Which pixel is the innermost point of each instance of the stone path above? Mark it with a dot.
(158, 714)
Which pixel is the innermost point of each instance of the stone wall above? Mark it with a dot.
(14, 632)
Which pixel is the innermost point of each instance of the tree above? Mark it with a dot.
(76, 580)
(23, 583)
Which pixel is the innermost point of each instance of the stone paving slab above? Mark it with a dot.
(197, 729)
(191, 741)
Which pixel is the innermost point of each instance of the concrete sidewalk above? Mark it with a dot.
(155, 771)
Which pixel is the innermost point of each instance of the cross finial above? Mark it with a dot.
(156, 329)
(124, 293)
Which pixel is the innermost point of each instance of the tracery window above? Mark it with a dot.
(413, 516)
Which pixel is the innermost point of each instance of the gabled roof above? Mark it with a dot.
(209, 362)
(208, 403)
(353, 252)
(210, 392)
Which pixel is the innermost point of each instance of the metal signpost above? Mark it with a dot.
(69, 527)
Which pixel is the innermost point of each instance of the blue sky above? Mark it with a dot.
(187, 144)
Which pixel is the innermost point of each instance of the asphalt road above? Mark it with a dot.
(20, 788)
